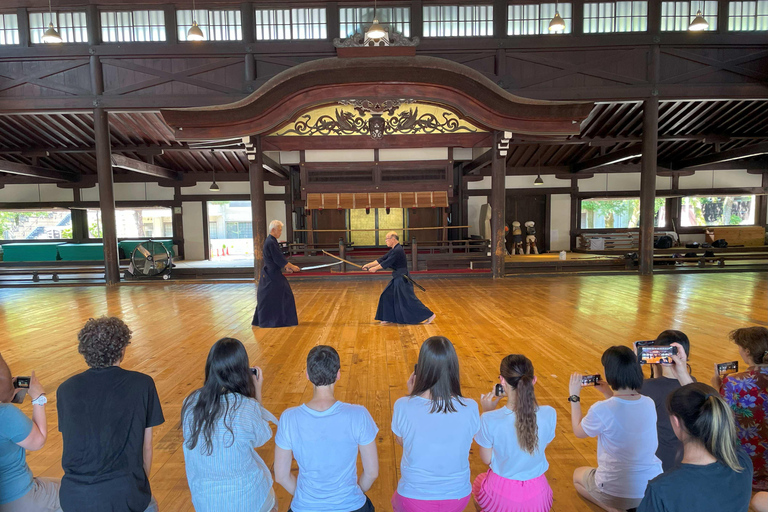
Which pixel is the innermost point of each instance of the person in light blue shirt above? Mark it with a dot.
(223, 423)
(19, 490)
(324, 436)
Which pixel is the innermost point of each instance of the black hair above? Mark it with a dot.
(670, 336)
(227, 372)
(438, 372)
(622, 370)
(708, 419)
(517, 371)
(323, 365)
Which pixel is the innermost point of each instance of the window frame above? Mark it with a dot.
(543, 21)
(5, 31)
(182, 28)
(754, 18)
(134, 29)
(693, 8)
(83, 30)
(618, 195)
(292, 25)
(459, 5)
(389, 23)
(723, 195)
(615, 17)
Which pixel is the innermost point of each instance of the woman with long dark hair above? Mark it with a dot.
(512, 442)
(223, 423)
(435, 425)
(716, 473)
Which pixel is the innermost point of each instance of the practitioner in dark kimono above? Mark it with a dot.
(398, 304)
(275, 306)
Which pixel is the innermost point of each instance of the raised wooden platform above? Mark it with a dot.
(563, 324)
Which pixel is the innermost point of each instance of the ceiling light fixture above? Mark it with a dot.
(195, 33)
(51, 35)
(557, 24)
(699, 23)
(214, 187)
(376, 33)
(538, 181)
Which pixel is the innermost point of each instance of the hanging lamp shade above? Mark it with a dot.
(195, 33)
(538, 181)
(214, 187)
(557, 23)
(51, 35)
(375, 31)
(699, 23)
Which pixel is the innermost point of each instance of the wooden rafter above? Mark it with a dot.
(609, 159)
(36, 172)
(140, 167)
(723, 156)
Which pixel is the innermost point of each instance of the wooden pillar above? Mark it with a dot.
(648, 182)
(106, 195)
(22, 15)
(498, 187)
(247, 16)
(445, 225)
(258, 208)
(343, 254)
(414, 255)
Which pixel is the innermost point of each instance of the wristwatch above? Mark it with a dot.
(40, 400)
(574, 398)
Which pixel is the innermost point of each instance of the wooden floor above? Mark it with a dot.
(554, 321)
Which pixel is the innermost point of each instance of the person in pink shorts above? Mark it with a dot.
(512, 441)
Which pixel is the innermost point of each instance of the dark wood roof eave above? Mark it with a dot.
(429, 79)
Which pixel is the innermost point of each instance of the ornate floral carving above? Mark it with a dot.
(358, 40)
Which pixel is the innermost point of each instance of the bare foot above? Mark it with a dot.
(430, 319)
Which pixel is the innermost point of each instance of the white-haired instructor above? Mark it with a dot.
(275, 306)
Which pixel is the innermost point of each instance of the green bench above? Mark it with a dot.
(81, 252)
(47, 251)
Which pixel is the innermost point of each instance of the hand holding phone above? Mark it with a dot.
(498, 390)
(590, 380)
(21, 382)
(726, 368)
(656, 354)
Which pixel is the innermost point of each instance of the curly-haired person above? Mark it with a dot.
(106, 415)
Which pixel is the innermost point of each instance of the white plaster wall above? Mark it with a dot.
(560, 222)
(89, 194)
(226, 187)
(622, 181)
(737, 178)
(663, 182)
(50, 192)
(699, 179)
(411, 154)
(550, 181)
(130, 191)
(462, 154)
(192, 222)
(340, 155)
(276, 211)
(473, 213)
(20, 194)
(290, 158)
(597, 183)
(483, 184)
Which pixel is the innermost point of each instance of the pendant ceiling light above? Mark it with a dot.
(214, 187)
(195, 33)
(557, 22)
(538, 181)
(699, 23)
(51, 35)
(375, 31)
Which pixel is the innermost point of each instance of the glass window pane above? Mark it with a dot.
(718, 211)
(35, 225)
(618, 213)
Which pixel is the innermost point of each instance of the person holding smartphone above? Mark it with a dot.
(747, 394)
(662, 383)
(19, 490)
(625, 427)
(512, 441)
(224, 422)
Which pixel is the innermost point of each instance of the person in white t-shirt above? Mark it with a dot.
(435, 425)
(512, 442)
(625, 426)
(324, 436)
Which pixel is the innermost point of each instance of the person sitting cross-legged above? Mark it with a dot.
(324, 435)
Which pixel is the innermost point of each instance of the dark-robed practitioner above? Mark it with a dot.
(398, 303)
(275, 306)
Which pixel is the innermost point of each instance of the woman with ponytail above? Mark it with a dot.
(747, 394)
(223, 423)
(716, 473)
(512, 442)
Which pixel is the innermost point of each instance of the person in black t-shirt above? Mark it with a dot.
(106, 415)
(716, 473)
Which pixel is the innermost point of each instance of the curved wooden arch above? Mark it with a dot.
(427, 79)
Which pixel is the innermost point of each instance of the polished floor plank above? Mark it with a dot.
(562, 323)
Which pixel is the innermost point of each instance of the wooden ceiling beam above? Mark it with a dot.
(723, 156)
(478, 164)
(34, 171)
(140, 167)
(611, 158)
(274, 167)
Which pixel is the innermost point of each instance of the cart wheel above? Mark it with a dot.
(166, 276)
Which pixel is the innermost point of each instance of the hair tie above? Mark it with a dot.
(708, 396)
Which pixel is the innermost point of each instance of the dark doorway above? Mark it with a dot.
(523, 208)
(330, 219)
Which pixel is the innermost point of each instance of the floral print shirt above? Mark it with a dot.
(747, 394)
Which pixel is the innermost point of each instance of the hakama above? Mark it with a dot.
(275, 305)
(398, 302)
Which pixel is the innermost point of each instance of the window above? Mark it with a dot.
(748, 16)
(615, 17)
(357, 19)
(230, 229)
(676, 16)
(458, 20)
(9, 29)
(216, 25)
(72, 26)
(718, 211)
(132, 222)
(132, 26)
(213, 230)
(618, 213)
(35, 225)
(305, 23)
(530, 19)
(168, 229)
(239, 229)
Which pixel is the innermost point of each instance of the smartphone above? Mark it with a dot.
(19, 396)
(21, 382)
(499, 390)
(645, 343)
(590, 380)
(255, 371)
(727, 368)
(655, 354)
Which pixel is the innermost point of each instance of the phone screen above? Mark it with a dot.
(727, 368)
(22, 382)
(655, 354)
(590, 380)
(499, 390)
